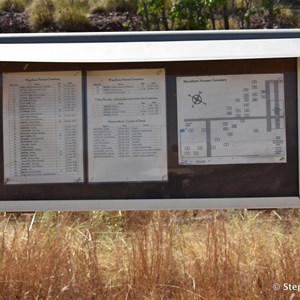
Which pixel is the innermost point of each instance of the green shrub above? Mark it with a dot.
(71, 18)
(68, 15)
(40, 14)
(13, 5)
(290, 17)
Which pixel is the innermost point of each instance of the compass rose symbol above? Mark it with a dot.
(197, 99)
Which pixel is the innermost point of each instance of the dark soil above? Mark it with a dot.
(115, 21)
(14, 22)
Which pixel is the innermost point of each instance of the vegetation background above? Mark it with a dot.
(226, 254)
(125, 15)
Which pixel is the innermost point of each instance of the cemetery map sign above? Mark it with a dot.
(231, 119)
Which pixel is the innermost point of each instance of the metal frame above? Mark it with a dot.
(147, 47)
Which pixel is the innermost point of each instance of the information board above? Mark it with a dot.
(167, 120)
(42, 122)
(231, 119)
(124, 123)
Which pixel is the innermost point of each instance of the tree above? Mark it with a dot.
(155, 13)
(244, 12)
(269, 4)
(190, 14)
(213, 7)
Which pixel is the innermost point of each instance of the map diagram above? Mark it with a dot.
(231, 119)
(197, 99)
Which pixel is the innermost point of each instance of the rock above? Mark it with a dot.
(113, 21)
(13, 22)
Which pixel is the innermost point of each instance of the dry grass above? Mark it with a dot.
(149, 255)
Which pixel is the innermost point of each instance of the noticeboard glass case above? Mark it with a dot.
(183, 180)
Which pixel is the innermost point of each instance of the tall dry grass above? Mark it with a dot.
(149, 255)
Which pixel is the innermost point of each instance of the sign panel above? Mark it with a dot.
(42, 122)
(127, 125)
(232, 119)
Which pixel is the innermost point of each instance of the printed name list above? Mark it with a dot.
(42, 127)
(127, 125)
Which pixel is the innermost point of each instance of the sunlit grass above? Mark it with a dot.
(149, 255)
